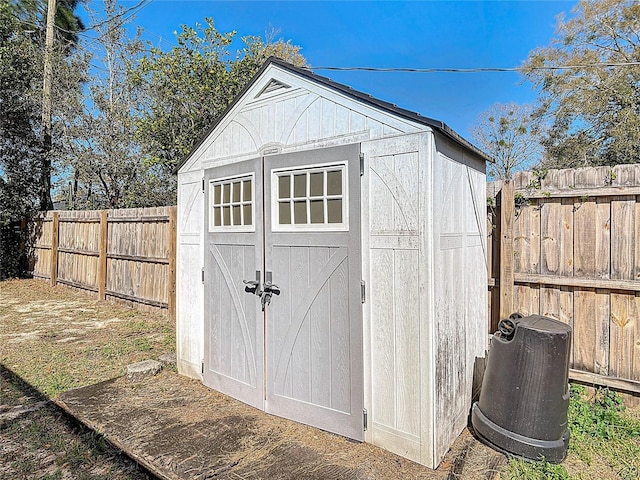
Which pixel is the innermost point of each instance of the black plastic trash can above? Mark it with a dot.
(524, 399)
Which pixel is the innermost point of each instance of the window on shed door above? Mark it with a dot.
(310, 199)
(232, 201)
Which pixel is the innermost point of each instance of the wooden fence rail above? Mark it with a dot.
(575, 240)
(122, 254)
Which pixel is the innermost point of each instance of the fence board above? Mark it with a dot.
(119, 254)
(577, 259)
(622, 237)
(623, 352)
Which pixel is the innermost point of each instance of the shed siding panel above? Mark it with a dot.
(395, 317)
(459, 254)
(292, 119)
(189, 292)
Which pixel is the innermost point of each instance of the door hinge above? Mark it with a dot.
(361, 164)
(364, 419)
(202, 271)
(202, 367)
(203, 185)
(363, 291)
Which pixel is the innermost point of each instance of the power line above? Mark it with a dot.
(478, 69)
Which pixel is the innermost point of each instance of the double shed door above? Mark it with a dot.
(292, 220)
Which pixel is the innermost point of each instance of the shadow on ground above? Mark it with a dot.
(38, 439)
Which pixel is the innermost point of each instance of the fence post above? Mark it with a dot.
(171, 294)
(55, 222)
(507, 219)
(102, 258)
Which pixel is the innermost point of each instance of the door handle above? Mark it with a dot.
(269, 290)
(253, 286)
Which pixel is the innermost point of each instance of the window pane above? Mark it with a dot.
(236, 215)
(284, 213)
(246, 191)
(216, 216)
(236, 191)
(300, 212)
(317, 184)
(334, 183)
(247, 215)
(216, 194)
(284, 186)
(334, 210)
(226, 193)
(300, 186)
(317, 211)
(226, 216)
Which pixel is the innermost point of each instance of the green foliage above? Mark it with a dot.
(188, 87)
(522, 469)
(599, 427)
(595, 119)
(22, 158)
(600, 417)
(105, 161)
(20, 148)
(32, 13)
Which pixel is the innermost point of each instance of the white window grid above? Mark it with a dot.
(218, 201)
(308, 199)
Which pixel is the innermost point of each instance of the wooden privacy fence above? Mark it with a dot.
(567, 246)
(127, 254)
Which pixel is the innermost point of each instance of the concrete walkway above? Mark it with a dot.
(180, 429)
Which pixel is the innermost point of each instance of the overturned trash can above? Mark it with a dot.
(524, 399)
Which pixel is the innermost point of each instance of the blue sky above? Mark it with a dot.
(413, 34)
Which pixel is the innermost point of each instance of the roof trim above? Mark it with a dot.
(363, 97)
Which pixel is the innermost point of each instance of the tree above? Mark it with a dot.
(589, 85)
(509, 134)
(20, 147)
(33, 13)
(104, 156)
(22, 169)
(189, 86)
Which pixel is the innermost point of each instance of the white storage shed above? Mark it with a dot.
(332, 263)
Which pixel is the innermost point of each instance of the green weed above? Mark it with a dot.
(143, 344)
(521, 469)
(601, 433)
(600, 428)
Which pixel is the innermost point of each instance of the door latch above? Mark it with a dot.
(253, 286)
(268, 290)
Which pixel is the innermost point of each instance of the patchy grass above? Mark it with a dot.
(58, 339)
(37, 440)
(604, 444)
(53, 339)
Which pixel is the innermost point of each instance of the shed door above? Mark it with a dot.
(234, 333)
(310, 332)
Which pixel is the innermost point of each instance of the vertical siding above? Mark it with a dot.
(459, 242)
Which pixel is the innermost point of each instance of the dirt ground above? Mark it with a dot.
(63, 351)
(55, 340)
(58, 340)
(181, 429)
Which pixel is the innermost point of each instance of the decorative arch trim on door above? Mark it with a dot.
(299, 315)
(249, 349)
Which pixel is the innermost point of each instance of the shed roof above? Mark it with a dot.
(346, 90)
